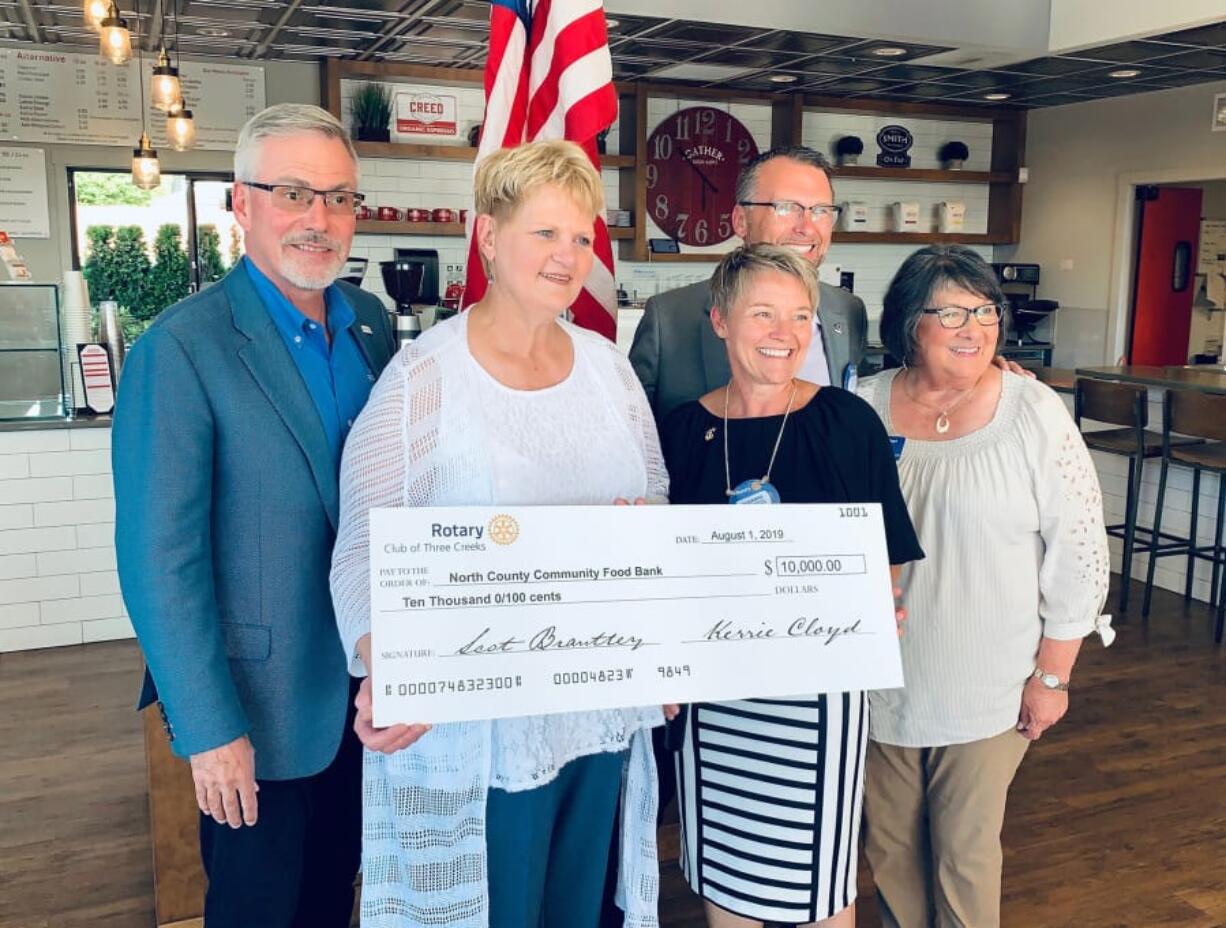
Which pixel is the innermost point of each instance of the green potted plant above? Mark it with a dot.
(848, 149)
(953, 155)
(371, 106)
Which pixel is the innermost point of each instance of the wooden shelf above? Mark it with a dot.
(426, 152)
(380, 227)
(861, 238)
(925, 175)
(415, 150)
(915, 238)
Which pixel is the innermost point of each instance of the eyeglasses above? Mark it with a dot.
(299, 199)
(790, 209)
(955, 317)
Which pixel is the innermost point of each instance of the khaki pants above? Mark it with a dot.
(933, 818)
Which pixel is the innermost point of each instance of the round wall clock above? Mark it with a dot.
(693, 159)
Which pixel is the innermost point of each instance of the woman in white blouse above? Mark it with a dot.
(1006, 503)
(504, 823)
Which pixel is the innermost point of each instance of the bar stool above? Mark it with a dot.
(1123, 405)
(1202, 415)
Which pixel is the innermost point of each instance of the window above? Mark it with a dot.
(147, 249)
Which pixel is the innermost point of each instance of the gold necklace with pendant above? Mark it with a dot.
(942, 421)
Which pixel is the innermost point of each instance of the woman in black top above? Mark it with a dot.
(770, 789)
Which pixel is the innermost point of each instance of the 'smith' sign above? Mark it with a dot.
(895, 143)
(425, 114)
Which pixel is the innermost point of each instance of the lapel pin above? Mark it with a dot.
(838, 328)
(710, 434)
(366, 330)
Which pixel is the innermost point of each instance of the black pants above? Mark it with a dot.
(296, 866)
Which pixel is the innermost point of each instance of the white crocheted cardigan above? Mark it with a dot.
(440, 431)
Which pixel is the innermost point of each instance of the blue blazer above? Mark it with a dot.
(226, 502)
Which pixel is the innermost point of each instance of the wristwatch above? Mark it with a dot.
(1049, 680)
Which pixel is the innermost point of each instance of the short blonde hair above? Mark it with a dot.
(507, 177)
(734, 272)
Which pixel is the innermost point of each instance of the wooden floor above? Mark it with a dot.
(1117, 819)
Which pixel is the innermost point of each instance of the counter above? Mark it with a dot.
(1207, 378)
(58, 583)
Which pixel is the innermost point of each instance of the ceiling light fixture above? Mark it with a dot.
(1123, 73)
(888, 51)
(213, 32)
(181, 129)
(146, 170)
(116, 41)
(612, 23)
(995, 97)
(165, 89)
(94, 12)
(782, 78)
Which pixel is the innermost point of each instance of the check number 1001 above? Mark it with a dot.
(815, 566)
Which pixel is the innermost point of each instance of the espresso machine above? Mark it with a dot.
(411, 280)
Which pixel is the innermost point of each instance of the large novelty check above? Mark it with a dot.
(484, 613)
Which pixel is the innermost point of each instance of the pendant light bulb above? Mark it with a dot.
(181, 129)
(116, 42)
(94, 12)
(146, 171)
(165, 90)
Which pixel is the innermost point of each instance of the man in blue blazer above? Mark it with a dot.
(230, 420)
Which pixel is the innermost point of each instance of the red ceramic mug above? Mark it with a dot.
(413, 214)
(389, 214)
(463, 215)
(364, 213)
(443, 214)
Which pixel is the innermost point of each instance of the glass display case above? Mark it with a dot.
(31, 370)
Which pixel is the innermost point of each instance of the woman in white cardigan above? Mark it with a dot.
(504, 823)
(1005, 500)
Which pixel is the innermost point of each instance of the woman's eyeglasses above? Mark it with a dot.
(955, 317)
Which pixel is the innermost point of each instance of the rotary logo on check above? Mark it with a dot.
(503, 530)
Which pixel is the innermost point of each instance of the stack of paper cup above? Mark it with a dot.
(77, 329)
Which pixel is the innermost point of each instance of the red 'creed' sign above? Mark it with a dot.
(425, 114)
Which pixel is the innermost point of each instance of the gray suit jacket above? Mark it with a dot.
(226, 504)
(678, 357)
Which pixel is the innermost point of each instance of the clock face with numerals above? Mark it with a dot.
(693, 159)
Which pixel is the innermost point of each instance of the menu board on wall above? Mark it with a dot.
(82, 99)
(24, 212)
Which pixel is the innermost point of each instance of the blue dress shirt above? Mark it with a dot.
(337, 375)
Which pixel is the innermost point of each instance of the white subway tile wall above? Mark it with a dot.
(58, 583)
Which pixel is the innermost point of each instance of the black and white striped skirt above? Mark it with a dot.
(770, 794)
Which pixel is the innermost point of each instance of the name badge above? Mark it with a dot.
(850, 377)
(896, 443)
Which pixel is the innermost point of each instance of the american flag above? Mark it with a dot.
(549, 76)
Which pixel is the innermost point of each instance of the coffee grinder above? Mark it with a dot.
(411, 280)
(402, 280)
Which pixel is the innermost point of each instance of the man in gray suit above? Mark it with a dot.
(784, 197)
(230, 421)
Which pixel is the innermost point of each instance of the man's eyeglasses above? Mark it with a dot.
(790, 209)
(955, 317)
(299, 199)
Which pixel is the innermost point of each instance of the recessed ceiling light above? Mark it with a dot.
(612, 23)
(213, 32)
(1124, 72)
(888, 51)
(782, 78)
(997, 96)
